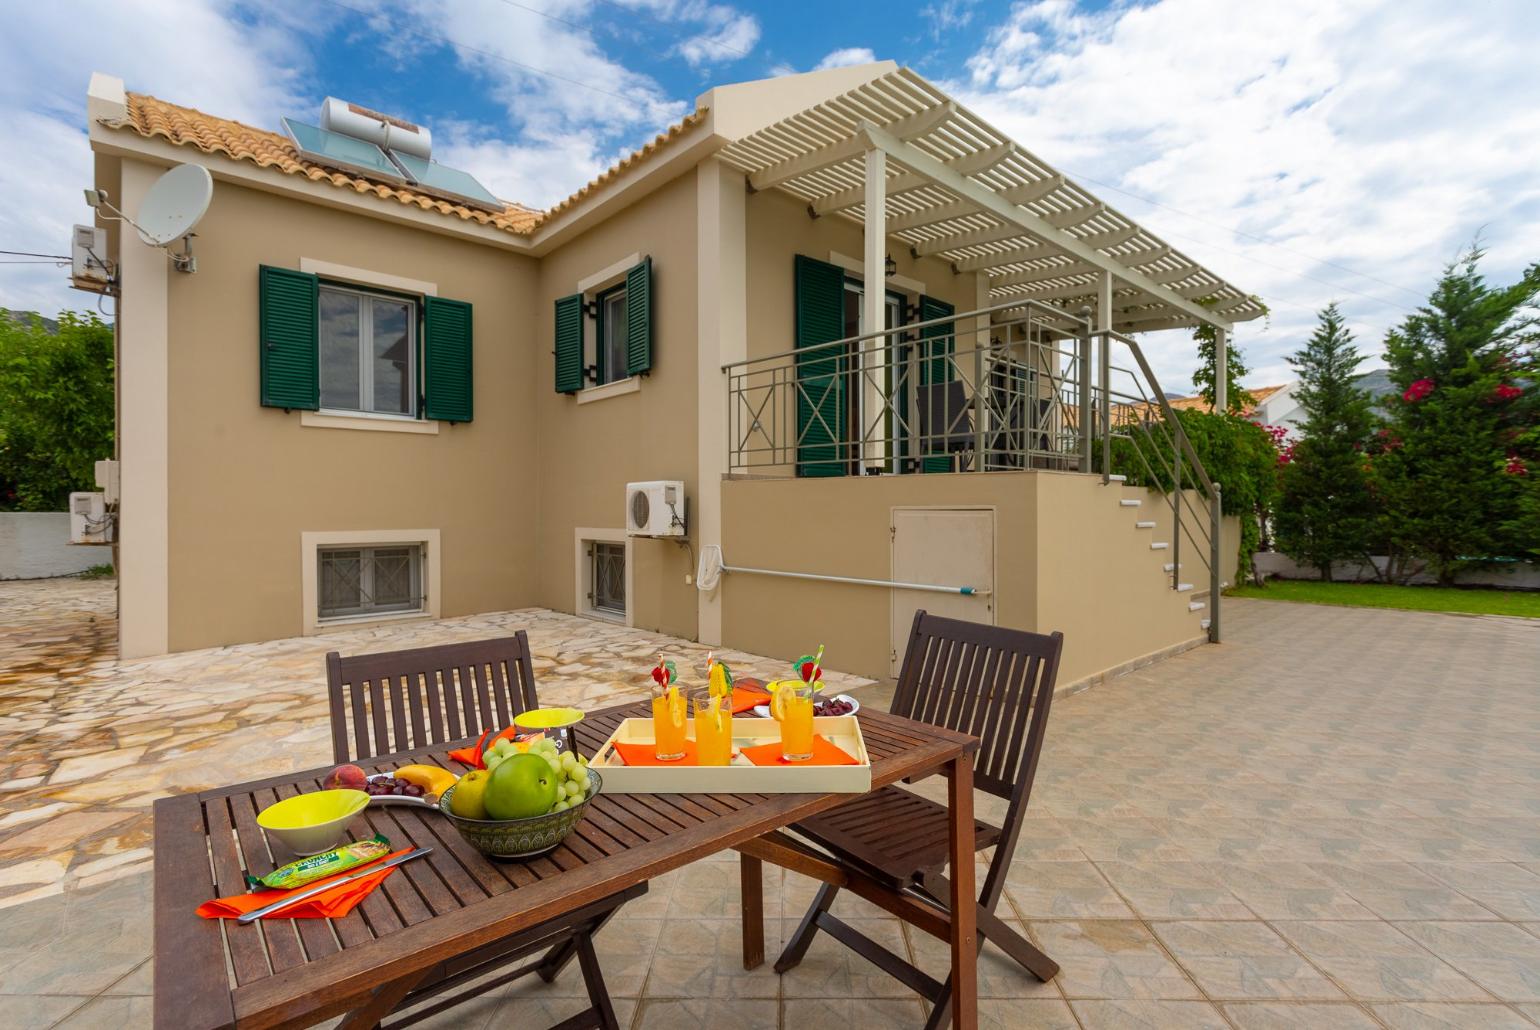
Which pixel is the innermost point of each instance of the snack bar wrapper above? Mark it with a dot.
(317, 867)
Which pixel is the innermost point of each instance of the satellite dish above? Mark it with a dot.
(174, 204)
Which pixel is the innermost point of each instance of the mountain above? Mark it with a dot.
(25, 318)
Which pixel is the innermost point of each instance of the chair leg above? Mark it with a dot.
(797, 947)
(1000, 934)
(561, 954)
(941, 1008)
(593, 979)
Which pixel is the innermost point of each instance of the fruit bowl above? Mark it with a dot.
(520, 838)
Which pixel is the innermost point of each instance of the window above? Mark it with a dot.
(368, 344)
(611, 352)
(357, 581)
(608, 587)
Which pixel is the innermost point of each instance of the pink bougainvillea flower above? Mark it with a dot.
(1516, 467)
(1506, 392)
(1417, 391)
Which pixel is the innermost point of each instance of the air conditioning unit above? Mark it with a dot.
(89, 521)
(656, 508)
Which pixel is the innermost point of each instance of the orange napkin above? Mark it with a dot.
(824, 753)
(471, 756)
(647, 754)
(747, 694)
(332, 904)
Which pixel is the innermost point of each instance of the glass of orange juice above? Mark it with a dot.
(668, 710)
(792, 704)
(713, 728)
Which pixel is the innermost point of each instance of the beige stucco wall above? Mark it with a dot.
(779, 228)
(1067, 557)
(246, 481)
(587, 453)
(840, 527)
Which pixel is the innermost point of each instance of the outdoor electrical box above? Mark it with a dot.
(89, 521)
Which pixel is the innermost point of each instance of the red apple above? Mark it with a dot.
(345, 777)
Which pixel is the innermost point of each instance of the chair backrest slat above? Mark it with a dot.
(404, 700)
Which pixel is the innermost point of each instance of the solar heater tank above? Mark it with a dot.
(383, 130)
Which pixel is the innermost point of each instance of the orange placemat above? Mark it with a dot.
(333, 904)
(471, 756)
(647, 754)
(748, 695)
(824, 753)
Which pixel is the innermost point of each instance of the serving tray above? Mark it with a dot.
(742, 776)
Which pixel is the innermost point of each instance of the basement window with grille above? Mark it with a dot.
(366, 581)
(608, 569)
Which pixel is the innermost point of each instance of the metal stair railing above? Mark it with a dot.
(1162, 456)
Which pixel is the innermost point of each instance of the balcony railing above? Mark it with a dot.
(1011, 387)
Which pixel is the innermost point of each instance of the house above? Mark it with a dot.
(384, 394)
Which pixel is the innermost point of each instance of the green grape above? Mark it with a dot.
(572, 788)
(560, 806)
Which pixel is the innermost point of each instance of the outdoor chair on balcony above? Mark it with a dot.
(945, 421)
(994, 683)
(427, 696)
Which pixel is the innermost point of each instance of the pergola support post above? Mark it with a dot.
(874, 301)
(1221, 370)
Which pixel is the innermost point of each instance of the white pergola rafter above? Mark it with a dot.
(917, 160)
(956, 188)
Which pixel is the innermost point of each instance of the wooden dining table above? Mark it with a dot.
(298, 972)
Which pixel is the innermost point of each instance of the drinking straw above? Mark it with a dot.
(812, 679)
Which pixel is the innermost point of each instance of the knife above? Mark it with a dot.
(251, 917)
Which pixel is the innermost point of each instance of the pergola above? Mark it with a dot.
(898, 154)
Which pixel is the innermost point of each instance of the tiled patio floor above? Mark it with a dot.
(1331, 820)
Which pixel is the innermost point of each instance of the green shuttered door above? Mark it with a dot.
(569, 344)
(448, 384)
(937, 343)
(639, 319)
(287, 337)
(821, 401)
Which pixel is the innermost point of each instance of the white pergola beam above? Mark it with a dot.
(845, 149)
(919, 161)
(962, 208)
(907, 181)
(1098, 240)
(1043, 275)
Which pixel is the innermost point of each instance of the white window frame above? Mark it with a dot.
(312, 542)
(583, 537)
(367, 279)
(590, 287)
(366, 352)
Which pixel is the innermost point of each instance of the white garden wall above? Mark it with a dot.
(36, 545)
(1512, 576)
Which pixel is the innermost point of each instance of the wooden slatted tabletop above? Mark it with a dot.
(297, 972)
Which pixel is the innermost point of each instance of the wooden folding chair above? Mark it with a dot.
(405, 700)
(993, 683)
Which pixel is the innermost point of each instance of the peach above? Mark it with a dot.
(345, 777)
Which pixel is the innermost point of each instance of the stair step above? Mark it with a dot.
(1172, 567)
(1115, 478)
(1159, 546)
(1196, 606)
(1205, 623)
(1183, 588)
(1144, 525)
(1129, 502)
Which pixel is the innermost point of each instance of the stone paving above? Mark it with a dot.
(1332, 820)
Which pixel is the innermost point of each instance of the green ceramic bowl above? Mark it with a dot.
(520, 838)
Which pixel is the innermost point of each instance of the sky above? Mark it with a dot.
(1306, 150)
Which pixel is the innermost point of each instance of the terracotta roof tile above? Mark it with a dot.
(662, 139)
(185, 126)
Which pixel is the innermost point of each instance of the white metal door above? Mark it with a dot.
(953, 547)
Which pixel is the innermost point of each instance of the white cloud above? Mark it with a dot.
(948, 15)
(846, 56)
(1378, 137)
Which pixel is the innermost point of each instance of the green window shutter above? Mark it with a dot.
(569, 344)
(937, 344)
(288, 328)
(448, 383)
(639, 318)
(821, 402)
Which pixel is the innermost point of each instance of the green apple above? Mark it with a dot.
(520, 787)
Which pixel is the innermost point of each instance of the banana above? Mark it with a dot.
(430, 778)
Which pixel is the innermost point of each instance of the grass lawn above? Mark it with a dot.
(1380, 595)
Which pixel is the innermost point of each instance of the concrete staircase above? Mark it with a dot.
(1160, 527)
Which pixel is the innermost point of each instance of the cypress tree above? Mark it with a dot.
(1324, 512)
